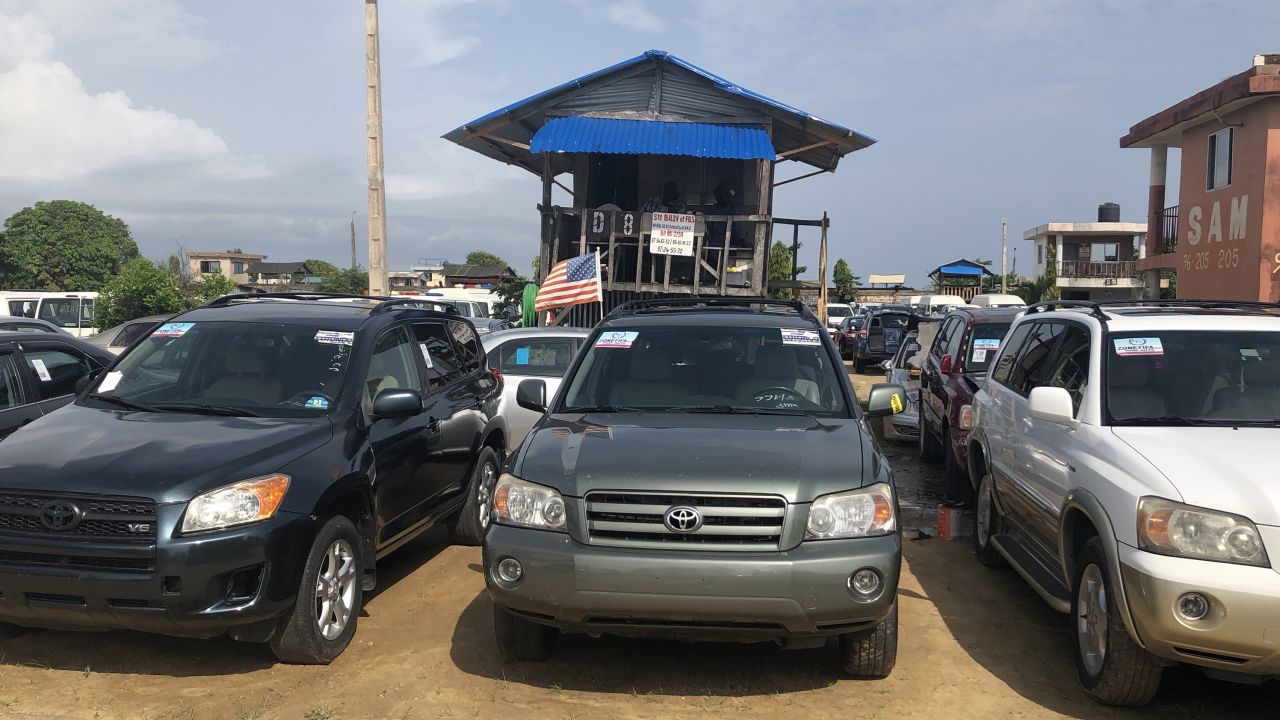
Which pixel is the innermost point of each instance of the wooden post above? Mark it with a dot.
(724, 256)
(760, 257)
(613, 238)
(373, 127)
(697, 263)
(639, 259)
(795, 252)
(822, 272)
(1004, 256)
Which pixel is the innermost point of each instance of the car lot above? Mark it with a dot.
(975, 642)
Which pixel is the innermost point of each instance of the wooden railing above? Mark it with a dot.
(1091, 269)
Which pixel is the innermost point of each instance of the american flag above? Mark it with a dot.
(571, 282)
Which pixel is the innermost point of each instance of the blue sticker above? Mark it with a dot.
(317, 402)
(172, 330)
(522, 356)
(986, 343)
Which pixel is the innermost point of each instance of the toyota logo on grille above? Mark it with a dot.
(682, 519)
(60, 516)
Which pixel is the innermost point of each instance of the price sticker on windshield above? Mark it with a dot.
(172, 330)
(616, 339)
(1138, 346)
(800, 337)
(986, 343)
(334, 337)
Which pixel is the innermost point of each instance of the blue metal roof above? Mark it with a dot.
(961, 267)
(578, 134)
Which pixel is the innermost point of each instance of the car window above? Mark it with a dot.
(1032, 366)
(438, 354)
(547, 357)
(954, 336)
(22, 308)
(980, 349)
(470, 355)
(25, 328)
(1009, 353)
(125, 337)
(391, 364)
(56, 371)
(1070, 367)
(11, 394)
(66, 312)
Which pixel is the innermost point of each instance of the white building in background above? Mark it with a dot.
(1094, 260)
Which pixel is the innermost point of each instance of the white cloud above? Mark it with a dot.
(435, 42)
(633, 14)
(442, 170)
(53, 127)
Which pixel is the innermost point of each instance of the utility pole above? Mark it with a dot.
(1004, 254)
(353, 239)
(377, 193)
(822, 271)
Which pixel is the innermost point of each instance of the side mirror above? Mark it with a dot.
(886, 399)
(913, 364)
(397, 403)
(532, 395)
(87, 379)
(1052, 404)
(945, 366)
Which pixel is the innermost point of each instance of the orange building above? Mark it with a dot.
(1223, 237)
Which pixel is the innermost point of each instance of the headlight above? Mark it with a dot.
(865, 512)
(1171, 528)
(244, 502)
(516, 502)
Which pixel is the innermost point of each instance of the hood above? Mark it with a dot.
(796, 457)
(169, 457)
(1219, 468)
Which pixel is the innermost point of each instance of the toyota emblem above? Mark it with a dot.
(682, 519)
(60, 516)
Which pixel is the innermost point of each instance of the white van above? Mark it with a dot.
(997, 300)
(71, 311)
(938, 304)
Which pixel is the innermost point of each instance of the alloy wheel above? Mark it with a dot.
(1091, 620)
(336, 589)
(484, 493)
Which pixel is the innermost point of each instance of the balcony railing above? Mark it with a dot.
(1091, 269)
(1169, 229)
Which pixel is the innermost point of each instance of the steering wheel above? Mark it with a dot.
(790, 397)
(301, 398)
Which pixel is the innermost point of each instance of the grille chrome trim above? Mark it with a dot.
(730, 522)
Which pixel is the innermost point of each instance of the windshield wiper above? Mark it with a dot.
(737, 410)
(121, 402)
(1260, 422)
(612, 408)
(1168, 420)
(205, 409)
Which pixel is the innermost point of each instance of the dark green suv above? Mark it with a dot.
(704, 472)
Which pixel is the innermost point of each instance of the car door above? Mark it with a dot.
(55, 369)
(998, 418)
(406, 451)
(542, 358)
(464, 428)
(875, 337)
(447, 404)
(16, 405)
(931, 380)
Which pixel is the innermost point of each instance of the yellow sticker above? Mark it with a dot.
(895, 403)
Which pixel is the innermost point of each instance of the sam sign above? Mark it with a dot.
(671, 234)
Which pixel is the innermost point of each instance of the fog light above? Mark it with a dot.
(509, 570)
(1193, 606)
(865, 582)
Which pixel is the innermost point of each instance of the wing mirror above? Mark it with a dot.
(87, 379)
(1052, 404)
(913, 364)
(532, 395)
(886, 399)
(887, 365)
(397, 403)
(945, 366)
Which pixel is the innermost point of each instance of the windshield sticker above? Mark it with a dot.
(172, 330)
(426, 355)
(522, 356)
(110, 381)
(986, 343)
(1138, 346)
(800, 337)
(333, 337)
(41, 370)
(616, 339)
(979, 355)
(1249, 353)
(317, 402)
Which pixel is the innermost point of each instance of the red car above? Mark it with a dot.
(954, 369)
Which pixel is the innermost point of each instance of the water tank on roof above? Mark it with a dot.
(1108, 212)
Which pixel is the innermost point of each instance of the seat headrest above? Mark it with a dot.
(776, 361)
(1129, 372)
(650, 365)
(247, 361)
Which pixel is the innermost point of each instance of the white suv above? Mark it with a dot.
(1122, 457)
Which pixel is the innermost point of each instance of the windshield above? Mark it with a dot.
(838, 311)
(711, 369)
(893, 320)
(266, 369)
(980, 350)
(1193, 377)
(67, 312)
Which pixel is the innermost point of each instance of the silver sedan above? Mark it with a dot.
(524, 353)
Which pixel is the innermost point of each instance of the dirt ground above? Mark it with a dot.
(974, 643)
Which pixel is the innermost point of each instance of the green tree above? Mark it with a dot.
(846, 282)
(480, 257)
(350, 281)
(322, 268)
(140, 288)
(780, 269)
(209, 287)
(63, 245)
(511, 293)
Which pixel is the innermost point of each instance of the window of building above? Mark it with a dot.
(237, 267)
(1220, 146)
(1040, 253)
(211, 266)
(1104, 252)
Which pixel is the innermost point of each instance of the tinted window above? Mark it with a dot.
(1004, 365)
(126, 336)
(437, 354)
(837, 311)
(24, 328)
(1071, 364)
(984, 341)
(954, 335)
(468, 346)
(22, 308)
(549, 356)
(391, 366)
(1032, 365)
(55, 371)
(66, 312)
(10, 383)
(894, 320)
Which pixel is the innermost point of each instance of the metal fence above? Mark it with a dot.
(1090, 269)
(1169, 229)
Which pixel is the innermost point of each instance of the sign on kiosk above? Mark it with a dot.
(672, 234)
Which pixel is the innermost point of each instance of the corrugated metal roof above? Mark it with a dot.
(961, 267)
(579, 134)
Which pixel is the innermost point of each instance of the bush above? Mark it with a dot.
(139, 289)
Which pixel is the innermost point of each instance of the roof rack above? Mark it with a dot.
(1094, 308)
(384, 303)
(437, 306)
(672, 304)
(1193, 303)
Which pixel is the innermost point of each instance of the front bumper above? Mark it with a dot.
(904, 425)
(717, 595)
(201, 585)
(1241, 633)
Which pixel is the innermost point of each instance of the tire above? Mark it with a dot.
(317, 630)
(521, 640)
(871, 653)
(1110, 665)
(958, 487)
(930, 450)
(987, 522)
(473, 520)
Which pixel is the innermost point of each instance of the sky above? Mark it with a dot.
(240, 124)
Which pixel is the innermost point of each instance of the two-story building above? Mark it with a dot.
(1222, 238)
(1091, 260)
(232, 265)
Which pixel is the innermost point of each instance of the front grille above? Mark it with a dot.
(102, 517)
(729, 522)
(76, 562)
